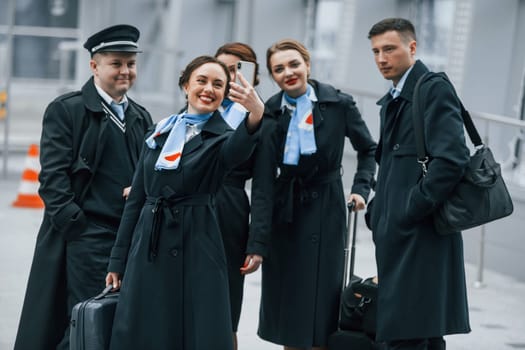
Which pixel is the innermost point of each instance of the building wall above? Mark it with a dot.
(194, 28)
(516, 69)
(173, 32)
(489, 55)
(492, 83)
(490, 77)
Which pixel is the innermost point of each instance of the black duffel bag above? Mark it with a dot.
(481, 195)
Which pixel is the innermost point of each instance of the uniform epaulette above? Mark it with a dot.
(138, 105)
(68, 95)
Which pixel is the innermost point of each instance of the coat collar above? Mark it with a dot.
(215, 125)
(92, 100)
(408, 89)
(324, 92)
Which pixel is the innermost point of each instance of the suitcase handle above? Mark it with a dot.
(351, 226)
(350, 206)
(104, 292)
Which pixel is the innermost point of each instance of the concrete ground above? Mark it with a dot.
(497, 309)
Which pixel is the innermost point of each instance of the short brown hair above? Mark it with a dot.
(403, 26)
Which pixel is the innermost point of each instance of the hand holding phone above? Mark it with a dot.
(242, 91)
(247, 70)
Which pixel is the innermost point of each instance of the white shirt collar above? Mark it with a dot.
(108, 99)
(395, 91)
(192, 130)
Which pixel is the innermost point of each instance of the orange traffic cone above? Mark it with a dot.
(28, 191)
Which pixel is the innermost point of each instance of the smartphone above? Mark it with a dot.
(248, 71)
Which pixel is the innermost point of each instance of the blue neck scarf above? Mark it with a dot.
(226, 103)
(169, 157)
(300, 138)
(234, 113)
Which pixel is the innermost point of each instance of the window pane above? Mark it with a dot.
(434, 20)
(40, 57)
(50, 13)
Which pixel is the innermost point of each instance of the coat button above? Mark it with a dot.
(396, 147)
(315, 195)
(174, 252)
(315, 238)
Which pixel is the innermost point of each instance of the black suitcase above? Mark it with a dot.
(350, 340)
(353, 329)
(92, 321)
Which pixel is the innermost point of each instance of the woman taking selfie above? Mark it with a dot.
(302, 275)
(245, 244)
(168, 252)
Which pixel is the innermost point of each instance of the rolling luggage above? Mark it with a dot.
(92, 321)
(357, 314)
(350, 340)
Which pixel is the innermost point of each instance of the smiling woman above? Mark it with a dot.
(302, 276)
(245, 239)
(205, 88)
(175, 284)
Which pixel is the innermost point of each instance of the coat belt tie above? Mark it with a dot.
(162, 206)
(296, 184)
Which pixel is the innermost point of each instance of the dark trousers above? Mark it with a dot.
(87, 258)
(417, 344)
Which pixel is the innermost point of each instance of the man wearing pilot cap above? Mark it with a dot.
(90, 144)
(122, 38)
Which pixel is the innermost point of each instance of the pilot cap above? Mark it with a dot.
(118, 38)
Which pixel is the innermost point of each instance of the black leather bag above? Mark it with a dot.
(359, 312)
(481, 196)
(352, 340)
(92, 321)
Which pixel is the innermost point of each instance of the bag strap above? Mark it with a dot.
(417, 119)
(417, 122)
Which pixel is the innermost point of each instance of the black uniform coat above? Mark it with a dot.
(73, 138)
(241, 236)
(302, 276)
(233, 214)
(422, 290)
(174, 292)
